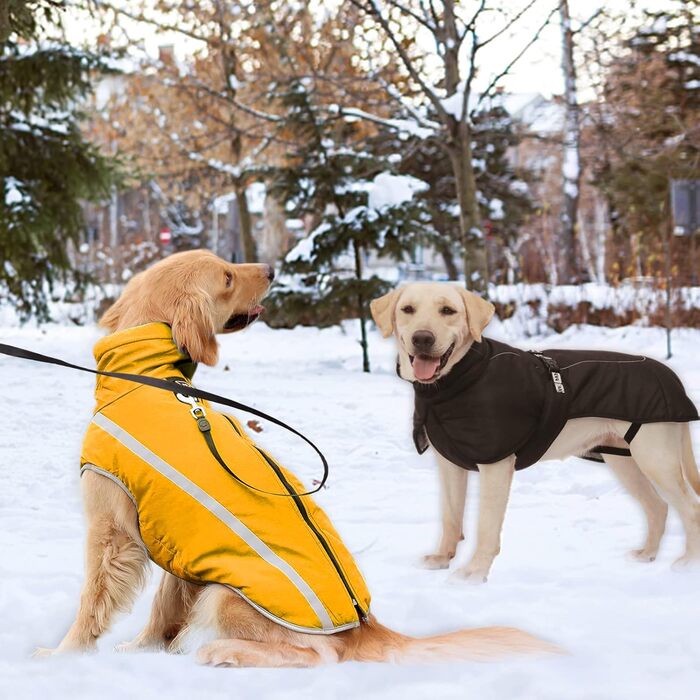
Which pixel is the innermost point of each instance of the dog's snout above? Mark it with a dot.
(423, 340)
(270, 273)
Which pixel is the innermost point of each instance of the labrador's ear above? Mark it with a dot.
(193, 327)
(382, 310)
(479, 313)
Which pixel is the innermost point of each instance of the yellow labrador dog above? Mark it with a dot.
(438, 328)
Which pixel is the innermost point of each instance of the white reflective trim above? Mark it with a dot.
(216, 509)
(92, 468)
(290, 625)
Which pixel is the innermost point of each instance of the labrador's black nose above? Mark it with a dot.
(423, 340)
(270, 273)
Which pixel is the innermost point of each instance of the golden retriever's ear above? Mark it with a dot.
(110, 318)
(128, 302)
(479, 313)
(383, 312)
(193, 327)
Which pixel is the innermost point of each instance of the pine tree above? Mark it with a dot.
(502, 191)
(46, 165)
(348, 193)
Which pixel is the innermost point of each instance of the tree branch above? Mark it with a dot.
(141, 17)
(520, 54)
(375, 12)
(407, 11)
(508, 24)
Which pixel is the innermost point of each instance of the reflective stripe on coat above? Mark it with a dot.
(196, 521)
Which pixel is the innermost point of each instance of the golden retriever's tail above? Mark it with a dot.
(374, 642)
(690, 467)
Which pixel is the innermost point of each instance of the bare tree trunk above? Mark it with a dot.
(586, 249)
(4, 21)
(571, 169)
(445, 250)
(246, 229)
(474, 261)
(275, 236)
(361, 307)
(601, 230)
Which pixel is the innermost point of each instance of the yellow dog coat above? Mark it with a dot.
(281, 554)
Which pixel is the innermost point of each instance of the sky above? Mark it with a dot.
(539, 70)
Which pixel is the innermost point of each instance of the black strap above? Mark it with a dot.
(166, 385)
(631, 432)
(619, 451)
(604, 450)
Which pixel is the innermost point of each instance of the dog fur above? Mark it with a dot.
(196, 293)
(661, 471)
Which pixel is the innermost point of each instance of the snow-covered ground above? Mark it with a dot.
(633, 630)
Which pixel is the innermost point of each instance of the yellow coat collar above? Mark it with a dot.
(147, 350)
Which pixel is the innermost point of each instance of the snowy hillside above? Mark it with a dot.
(632, 630)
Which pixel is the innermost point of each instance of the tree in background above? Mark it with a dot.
(502, 190)
(646, 126)
(571, 162)
(47, 166)
(459, 31)
(206, 122)
(356, 208)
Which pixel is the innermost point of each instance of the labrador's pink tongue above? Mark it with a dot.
(256, 310)
(424, 367)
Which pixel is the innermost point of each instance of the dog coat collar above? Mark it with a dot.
(499, 400)
(282, 555)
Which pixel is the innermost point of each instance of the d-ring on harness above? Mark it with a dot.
(197, 411)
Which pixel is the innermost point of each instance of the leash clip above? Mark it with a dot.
(198, 412)
(197, 409)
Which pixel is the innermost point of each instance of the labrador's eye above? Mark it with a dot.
(447, 311)
(408, 309)
(229, 279)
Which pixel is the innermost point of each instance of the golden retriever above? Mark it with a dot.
(661, 470)
(200, 295)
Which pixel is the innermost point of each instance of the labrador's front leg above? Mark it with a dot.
(494, 487)
(453, 493)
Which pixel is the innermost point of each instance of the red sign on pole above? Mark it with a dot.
(165, 235)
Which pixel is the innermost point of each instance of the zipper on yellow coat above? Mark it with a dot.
(282, 554)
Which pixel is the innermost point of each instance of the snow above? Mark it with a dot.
(685, 57)
(385, 190)
(304, 248)
(393, 190)
(631, 629)
(13, 195)
(496, 209)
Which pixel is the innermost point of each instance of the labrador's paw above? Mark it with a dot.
(688, 562)
(474, 576)
(436, 561)
(643, 555)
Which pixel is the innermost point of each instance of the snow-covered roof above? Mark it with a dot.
(537, 113)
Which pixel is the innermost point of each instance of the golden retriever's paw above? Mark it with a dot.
(474, 577)
(435, 561)
(135, 646)
(218, 654)
(43, 653)
(643, 555)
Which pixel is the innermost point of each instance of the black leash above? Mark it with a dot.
(178, 388)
